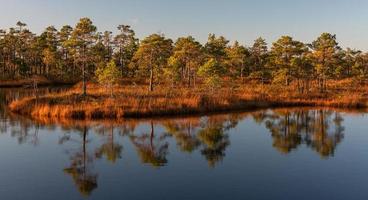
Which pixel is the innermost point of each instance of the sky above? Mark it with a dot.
(242, 20)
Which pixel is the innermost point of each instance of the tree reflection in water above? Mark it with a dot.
(184, 133)
(111, 149)
(209, 134)
(215, 139)
(151, 148)
(80, 167)
(320, 130)
(22, 128)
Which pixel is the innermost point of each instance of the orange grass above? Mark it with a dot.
(137, 102)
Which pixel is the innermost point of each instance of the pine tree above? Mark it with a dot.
(108, 75)
(325, 57)
(152, 54)
(187, 57)
(126, 44)
(258, 60)
(83, 38)
(284, 54)
(237, 60)
(211, 71)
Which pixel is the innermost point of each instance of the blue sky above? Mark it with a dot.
(242, 20)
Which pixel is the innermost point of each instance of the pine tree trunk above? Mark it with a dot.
(111, 90)
(151, 80)
(84, 80)
(194, 80)
(189, 78)
(241, 75)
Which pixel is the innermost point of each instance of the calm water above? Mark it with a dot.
(271, 154)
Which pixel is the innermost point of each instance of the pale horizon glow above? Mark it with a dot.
(241, 20)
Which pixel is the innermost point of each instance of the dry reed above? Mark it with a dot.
(137, 102)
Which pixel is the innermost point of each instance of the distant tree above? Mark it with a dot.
(283, 56)
(126, 44)
(22, 42)
(66, 60)
(237, 59)
(216, 48)
(9, 42)
(83, 38)
(2, 53)
(173, 71)
(107, 42)
(325, 57)
(49, 58)
(72, 53)
(108, 75)
(211, 71)
(21, 26)
(346, 61)
(100, 50)
(360, 67)
(303, 70)
(187, 57)
(49, 42)
(258, 59)
(152, 55)
(51, 38)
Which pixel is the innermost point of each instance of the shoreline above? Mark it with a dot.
(27, 83)
(108, 122)
(136, 103)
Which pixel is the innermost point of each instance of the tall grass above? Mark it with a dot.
(137, 102)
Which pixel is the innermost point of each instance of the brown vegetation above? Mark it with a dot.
(39, 80)
(31, 82)
(184, 76)
(136, 101)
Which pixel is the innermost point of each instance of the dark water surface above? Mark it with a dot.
(270, 154)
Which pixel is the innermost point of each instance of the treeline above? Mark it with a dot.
(82, 53)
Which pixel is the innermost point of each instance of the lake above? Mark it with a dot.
(294, 153)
